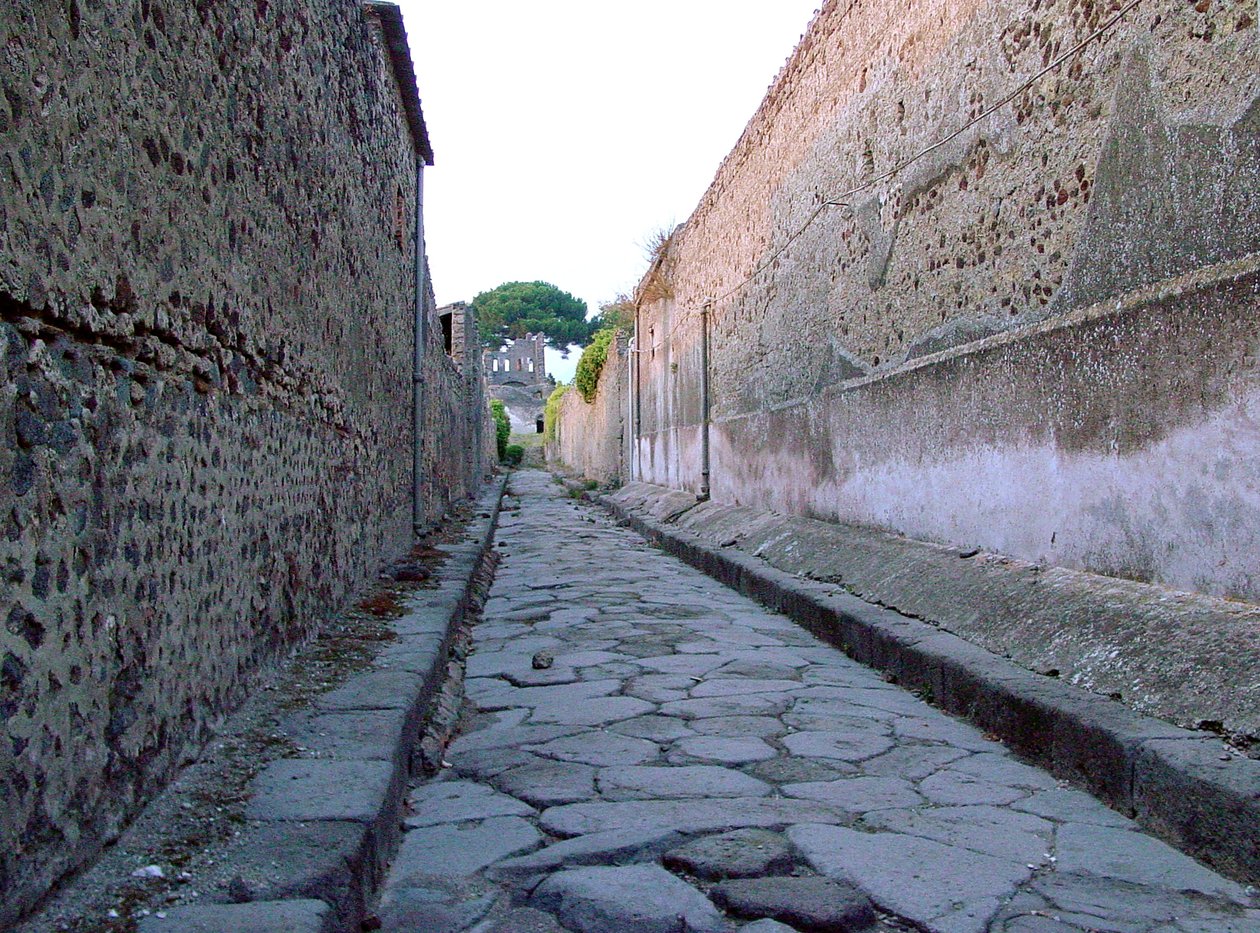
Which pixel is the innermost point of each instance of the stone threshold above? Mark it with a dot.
(1183, 785)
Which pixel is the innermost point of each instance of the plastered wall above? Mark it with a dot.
(206, 293)
(1039, 337)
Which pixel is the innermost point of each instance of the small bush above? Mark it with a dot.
(591, 364)
(513, 454)
(502, 427)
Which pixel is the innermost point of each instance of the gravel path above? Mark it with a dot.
(650, 751)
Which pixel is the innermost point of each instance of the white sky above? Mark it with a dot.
(566, 132)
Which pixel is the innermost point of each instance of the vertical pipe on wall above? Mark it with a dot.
(417, 365)
(636, 467)
(704, 400)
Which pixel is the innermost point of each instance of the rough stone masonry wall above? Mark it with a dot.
(591, 437)
(206, 285)
(1039, 339)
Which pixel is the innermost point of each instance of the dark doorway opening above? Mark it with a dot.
(538, 424)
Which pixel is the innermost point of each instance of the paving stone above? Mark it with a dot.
(603, 749)
(437, 904)
(742, 685)
(548, 677)
(511, 736)
(660, 688)
(548, 783)
(824, 905)
(858, 794)
(349, 735)
(608, 848)
(304, 916)
(744, 853)
(484, 764)
(629, 899)
(1000, 831)
(766, 926)
(756, 726)
(913, 762)
(812, 718)
(955, 787)
(525, 920)
(461, 848)
(1004, 769)
(691, 816)
(655, 728)
(757, 704)
(842, 746)
(918, 879)
(376, 689)
(1137, 858)
(658, 783)
(1073, 806)
(793, 770)
(318, 789)
(457, 801)
(502, 695)
(599, 711)
(731, 751)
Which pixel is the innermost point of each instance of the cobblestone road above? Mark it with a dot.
(692, 762)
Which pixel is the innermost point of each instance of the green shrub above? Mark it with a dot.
(591, 364)
(551, 410)
(514, 454)
(502, 427)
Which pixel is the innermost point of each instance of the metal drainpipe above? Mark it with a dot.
(417, 366)
(636, 463)
(704, 401)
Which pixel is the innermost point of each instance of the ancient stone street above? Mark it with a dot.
(649, 751)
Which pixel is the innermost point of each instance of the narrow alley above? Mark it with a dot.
(646, 750)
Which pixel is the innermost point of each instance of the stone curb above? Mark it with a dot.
(1171, 780)
(323, 830)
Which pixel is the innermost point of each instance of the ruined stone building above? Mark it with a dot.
(520, 363)
(209, 313)
(983, 275)
(518, 377)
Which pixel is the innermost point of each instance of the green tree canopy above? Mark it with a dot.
(618, 313)
(515, 309)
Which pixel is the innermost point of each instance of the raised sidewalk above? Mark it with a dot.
(939, 621)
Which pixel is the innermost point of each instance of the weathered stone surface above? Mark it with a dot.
(606, 848)
(684, 815)
(630, 899)
(824, 905)
(457, 801)
(305, 916)
(858, 794)
(996, 831)
(1131, 856)
(842, 746)
(316, 789)
(458, 849)
(921, 880)
(744, 853)
(657, 783)
(731, 750)
(549, 783)
(602, 749)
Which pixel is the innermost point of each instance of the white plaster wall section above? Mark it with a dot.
(1184, 512)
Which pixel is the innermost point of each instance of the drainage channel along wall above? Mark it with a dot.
(207, 288)
(1038, 338)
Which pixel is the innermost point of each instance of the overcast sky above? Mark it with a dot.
(566, 132)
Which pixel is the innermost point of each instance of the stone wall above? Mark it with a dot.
(206, 292)
(591, 437)
(1038, 338)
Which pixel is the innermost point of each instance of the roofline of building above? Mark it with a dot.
(395, 33)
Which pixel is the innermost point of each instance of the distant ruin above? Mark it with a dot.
(519, 363)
